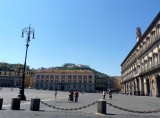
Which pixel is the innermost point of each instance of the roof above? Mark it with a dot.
(143, 36)
(65, 71)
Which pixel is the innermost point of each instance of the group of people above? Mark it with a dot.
(109, 92)
(73, 96)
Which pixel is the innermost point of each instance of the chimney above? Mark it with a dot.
(138, 32)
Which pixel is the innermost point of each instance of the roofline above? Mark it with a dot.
(144, 34)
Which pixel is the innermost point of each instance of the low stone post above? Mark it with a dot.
(15, 103)
(101, 106)
(35, 104)
(1, 103)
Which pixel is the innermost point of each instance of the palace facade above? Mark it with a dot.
(65, 80)
(141, 68)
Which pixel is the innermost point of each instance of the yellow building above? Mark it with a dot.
(11, 74)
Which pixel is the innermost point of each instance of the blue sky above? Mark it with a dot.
(98, 33)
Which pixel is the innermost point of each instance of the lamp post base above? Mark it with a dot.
(22, 96)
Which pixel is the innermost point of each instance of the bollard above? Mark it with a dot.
(101, 106)
(1, 103)
(15, 103)
(35, 104)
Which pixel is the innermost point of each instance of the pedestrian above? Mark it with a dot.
(110, 94)
(104, 94)
(12, 89)
(76, 94)
(70, 96)
(55, 94)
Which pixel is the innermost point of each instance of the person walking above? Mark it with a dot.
(76, 96)
(110, 94)
(71, 96)
(55, 94)
(104, 94)
(12, 89)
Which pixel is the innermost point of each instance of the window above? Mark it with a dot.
(74, 80)
(52, 76)
(80, 78)
(63, 78)
(90, 86)
(47, 76)
(69, 77)
(37, 80)
(57, 77)
(74, 76)
(51, 80)
(42, 76)
(84, 79)
(46, 80)
(90, 81)
(56, 81)
(69, 81)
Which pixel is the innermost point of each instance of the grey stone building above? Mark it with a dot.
(141, 68)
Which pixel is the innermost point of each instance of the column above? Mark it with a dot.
(156, 86)
(145, 87)
(140, 86)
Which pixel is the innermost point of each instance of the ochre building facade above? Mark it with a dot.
(141, 68)
(65, 80)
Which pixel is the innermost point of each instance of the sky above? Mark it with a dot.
(98, 33)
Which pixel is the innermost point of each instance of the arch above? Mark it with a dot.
(158, 85)
(148, 87)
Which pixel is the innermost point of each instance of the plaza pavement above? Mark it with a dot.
(138, 103)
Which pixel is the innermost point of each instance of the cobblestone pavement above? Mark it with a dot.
(138, 103)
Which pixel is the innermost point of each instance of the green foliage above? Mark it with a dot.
(97, 73)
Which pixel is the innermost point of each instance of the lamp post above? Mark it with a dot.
(108, 83)
(28, 31)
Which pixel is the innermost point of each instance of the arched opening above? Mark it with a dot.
(138, 88)
(158, 85)
(130, 89)
(148, 86)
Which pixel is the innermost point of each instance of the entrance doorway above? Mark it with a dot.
(148, 86)
(62, 87)
(158, 85)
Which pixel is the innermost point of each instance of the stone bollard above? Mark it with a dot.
(101, 106)
(35, 104)
(1, 103)
(15, 103)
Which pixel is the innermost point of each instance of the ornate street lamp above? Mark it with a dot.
(28, 31)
